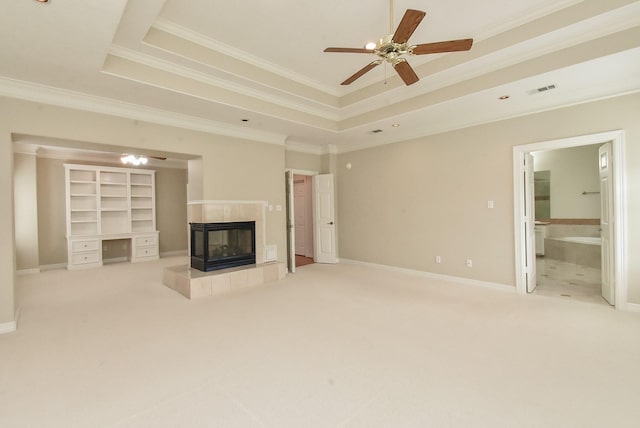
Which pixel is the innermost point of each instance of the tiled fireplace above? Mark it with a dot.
(193, 283)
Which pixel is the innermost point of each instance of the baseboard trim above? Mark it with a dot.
(431, 275)
(114, 260)
(27, 271)
(8, 327)
(633, 307)
(53, 266)
(174, 253)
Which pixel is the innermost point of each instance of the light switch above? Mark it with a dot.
(489, 204)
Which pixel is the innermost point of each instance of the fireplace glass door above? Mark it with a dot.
(222, 245)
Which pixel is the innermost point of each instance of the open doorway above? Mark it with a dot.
(300, 228)
(303, 211)
(614, 266)
(567, 207)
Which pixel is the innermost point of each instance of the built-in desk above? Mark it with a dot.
(86, 252)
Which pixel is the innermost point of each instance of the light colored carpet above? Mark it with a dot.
(331, 346)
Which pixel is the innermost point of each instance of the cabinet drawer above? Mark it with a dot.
(143, 241)
(150, 251)
(82, 258)
(85, 245)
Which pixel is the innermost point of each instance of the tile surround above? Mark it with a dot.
(195, 284)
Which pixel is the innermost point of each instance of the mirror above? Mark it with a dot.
(542, 191)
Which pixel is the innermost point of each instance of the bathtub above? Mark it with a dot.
(588, 240)
(580, 250)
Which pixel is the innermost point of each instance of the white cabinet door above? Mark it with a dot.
(324, 219)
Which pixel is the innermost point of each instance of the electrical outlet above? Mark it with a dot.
(438, 259)
(469, 263)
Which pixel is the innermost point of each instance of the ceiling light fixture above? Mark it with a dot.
(504, 97)
(396, 125)
(134, 160)
(42, 1)
(371, 46)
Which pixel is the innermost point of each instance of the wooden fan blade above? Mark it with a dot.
(406, 73)
(349, 50)
(408, 25)
(158, 157)
(440, 47)
(362, 71)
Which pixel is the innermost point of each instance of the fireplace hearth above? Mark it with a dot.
(222, 245)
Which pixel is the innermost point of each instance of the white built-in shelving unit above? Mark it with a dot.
(107, 203)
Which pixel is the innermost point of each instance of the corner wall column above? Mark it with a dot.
(7, 250)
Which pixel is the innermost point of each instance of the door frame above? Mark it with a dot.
(291, 251)
(620, 267)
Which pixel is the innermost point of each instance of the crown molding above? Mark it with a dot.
(330, 113)
(29, 91)
(218, 46)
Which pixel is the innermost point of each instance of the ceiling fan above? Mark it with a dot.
(393, 47)
(137, 160)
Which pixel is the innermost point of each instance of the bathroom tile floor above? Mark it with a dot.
(556, 278)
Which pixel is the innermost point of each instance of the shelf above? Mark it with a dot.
(108, 203)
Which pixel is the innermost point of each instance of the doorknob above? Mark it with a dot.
(330, 223)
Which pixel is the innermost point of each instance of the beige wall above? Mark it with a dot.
(573, 171)
(26, 204)
(232, 168)
(52, 243)
(7, 249)
(405, 203)
(171, 208)
(303, 161)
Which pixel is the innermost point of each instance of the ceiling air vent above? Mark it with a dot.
(542, 89)
(376, 131)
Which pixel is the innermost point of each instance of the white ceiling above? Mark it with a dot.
(207, 64)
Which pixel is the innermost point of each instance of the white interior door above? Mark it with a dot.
(529, 210)
(606, 223)
(324, 219)
(291, 234)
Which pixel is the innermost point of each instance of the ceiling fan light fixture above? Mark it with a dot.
(393, 47)
(134, 160)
